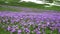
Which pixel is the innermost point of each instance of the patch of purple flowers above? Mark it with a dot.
(21, 22)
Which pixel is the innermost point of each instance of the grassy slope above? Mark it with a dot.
(33, 5)
(39, 6)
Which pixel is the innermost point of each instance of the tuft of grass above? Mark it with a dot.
(7, 9)
(3, 31)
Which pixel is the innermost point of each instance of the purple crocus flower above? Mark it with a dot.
(13, 30)
(48, 23)
(38, 32)
(19, 31)
(9, 28)
(58, 30)
(26, 30)
(58, 25)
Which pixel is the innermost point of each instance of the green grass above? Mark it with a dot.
(32, 5)
(3, 31)
(57, 8)
(7, 9)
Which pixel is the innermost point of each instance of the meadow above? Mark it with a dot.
(17, 22)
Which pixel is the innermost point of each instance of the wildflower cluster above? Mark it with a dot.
(29, 23)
